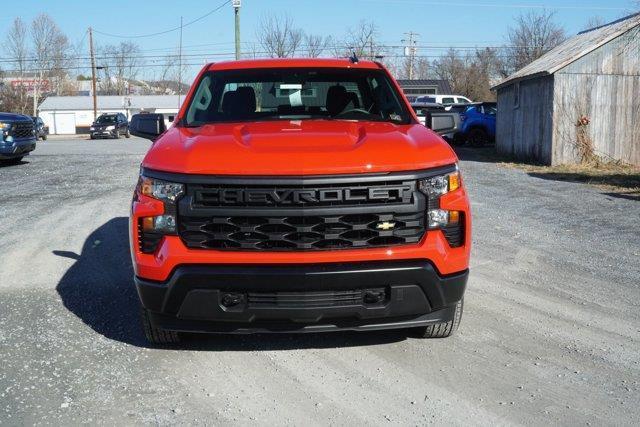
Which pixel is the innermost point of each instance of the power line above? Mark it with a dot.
(206, 53)
(165, 31)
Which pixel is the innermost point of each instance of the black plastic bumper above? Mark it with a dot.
(19, 149)
(302, 298)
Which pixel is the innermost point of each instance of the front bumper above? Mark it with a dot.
(302, 298)
(16, 148)
(102, 133)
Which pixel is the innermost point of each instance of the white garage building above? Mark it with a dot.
(68, 115)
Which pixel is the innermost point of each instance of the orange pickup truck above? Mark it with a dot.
(297, 195)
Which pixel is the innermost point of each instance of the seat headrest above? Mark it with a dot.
(337, 99)
(239, 102)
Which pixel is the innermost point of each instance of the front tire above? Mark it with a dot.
(445, 329)
(127, 134)
(156, 335)
(478, 137)
(458, 140)
(44, 137)
(117, 135)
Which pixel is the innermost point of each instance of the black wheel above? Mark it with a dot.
(127, 134)
(458, 139)
(156, 335)
(478, 137)
(117, 135)
(92, 137)
(44, 137)
(442, 330)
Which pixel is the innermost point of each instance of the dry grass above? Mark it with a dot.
(611, 176)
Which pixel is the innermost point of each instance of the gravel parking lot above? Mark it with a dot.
(550, 333)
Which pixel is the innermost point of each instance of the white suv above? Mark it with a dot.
(444, 99)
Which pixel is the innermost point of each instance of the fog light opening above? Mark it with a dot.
(232, 300)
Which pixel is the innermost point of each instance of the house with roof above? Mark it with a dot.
(586, 90)
(419, 87)
(67, 115)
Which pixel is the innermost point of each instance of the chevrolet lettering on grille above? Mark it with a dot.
(399, 193)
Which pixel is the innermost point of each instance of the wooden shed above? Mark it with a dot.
(595, 74)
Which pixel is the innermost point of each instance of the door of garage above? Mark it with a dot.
(64, 123)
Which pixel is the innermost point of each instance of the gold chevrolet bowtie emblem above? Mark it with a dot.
(385, 225)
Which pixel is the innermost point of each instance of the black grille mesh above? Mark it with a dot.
(309, 299)
(22, 129)
(301, 232)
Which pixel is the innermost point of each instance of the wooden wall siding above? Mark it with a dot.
(621, 56)
(525, 132)
(613, 104)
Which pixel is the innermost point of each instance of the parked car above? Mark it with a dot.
(431, 114)
(445, 100)
(17, 137)
(110, 126)
(332, 210)
(41, 130)
(478, 123)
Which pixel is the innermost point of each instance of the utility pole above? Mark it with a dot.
(93, 75)
(236, 7)
(180, 65)
(410, 49)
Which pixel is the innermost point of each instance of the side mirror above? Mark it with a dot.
(442, 123)
(149, 126)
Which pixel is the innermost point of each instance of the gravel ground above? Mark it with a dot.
(550, 334)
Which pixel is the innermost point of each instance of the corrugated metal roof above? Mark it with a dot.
(442, 85)
(573, 49)
(110, 102)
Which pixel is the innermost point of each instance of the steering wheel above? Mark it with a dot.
(353, 110)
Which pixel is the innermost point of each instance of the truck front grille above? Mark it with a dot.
(301, 232)
(22, 129)
(302, 215)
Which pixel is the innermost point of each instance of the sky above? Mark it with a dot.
(440, 24)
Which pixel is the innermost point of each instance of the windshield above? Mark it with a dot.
(106, 119)
(295, 94)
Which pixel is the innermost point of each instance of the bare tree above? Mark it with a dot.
(166, 81)
(278, 36)
(534, 34)
(316, 45)
(50, 49)
(361, 40)
(121, 64)
(16, 47)
(470, 74)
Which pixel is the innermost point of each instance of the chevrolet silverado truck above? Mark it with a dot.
(17, 138)
(297, 195)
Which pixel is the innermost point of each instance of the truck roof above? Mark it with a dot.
(292, 63)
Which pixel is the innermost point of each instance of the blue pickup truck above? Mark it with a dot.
(478, 123)
(17, 137)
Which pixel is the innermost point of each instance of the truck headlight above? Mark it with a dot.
(161, 190)
(5, 126)
(449, 221)
(152, 228)
(436, 186)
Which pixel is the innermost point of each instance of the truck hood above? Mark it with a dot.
(308, 147)
(10, 117)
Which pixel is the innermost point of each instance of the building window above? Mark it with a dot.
(421, 91)
(516, 95)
